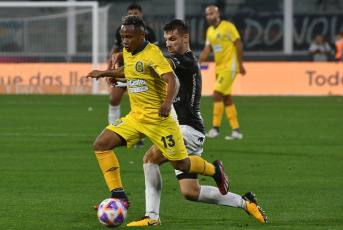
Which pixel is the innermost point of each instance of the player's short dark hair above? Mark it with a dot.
(134, 7)
(177, 24)
(133, 20)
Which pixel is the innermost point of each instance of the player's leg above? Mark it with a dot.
(120, 133)
(230, 108)
(218, 107)
(192, 191)
(153, 187)
(168, 138)
(114, 107)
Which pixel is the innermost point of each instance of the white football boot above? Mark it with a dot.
(213, 133)
(234, 135)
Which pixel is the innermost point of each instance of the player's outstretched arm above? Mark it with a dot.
(172, 91)
(114, 73)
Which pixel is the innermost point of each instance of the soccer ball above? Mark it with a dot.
(112, 212)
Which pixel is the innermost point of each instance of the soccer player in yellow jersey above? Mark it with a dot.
(224, 40)
(146, 72)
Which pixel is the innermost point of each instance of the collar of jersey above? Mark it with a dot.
(145, 44)
(217, 25)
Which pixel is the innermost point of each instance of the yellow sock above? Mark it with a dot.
(218, 109)
(231, 114)
(110, 168)
(200, 166)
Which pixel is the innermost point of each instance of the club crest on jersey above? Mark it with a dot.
(139, 67)
(219, 36)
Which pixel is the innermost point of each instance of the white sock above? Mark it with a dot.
(210, 194)
(153, 188)
(113, 113)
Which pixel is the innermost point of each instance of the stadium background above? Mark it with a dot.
(42, 35)
(290, 156)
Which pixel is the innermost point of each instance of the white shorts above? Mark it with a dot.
(194, 141)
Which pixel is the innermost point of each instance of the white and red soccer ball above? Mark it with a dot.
(112, 212)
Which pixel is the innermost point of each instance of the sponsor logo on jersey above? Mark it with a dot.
(217, 48)
(139, 67)
(139, 89)
(136, 82)
(137, 86)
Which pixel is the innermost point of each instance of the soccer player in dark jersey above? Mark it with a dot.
(118, 91)
(187, 107)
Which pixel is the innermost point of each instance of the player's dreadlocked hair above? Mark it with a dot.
(177, 24)
(134, 20)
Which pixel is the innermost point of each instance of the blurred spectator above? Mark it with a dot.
(339, 47)
(319, 49)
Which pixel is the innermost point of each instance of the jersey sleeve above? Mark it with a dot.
(232, 32)
(159, 63)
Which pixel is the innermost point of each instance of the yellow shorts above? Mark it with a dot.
(166, 135)
(224, 82)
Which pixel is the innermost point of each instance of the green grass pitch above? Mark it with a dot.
(291, 157)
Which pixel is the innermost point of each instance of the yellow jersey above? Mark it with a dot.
(146, 88)
(221, 39)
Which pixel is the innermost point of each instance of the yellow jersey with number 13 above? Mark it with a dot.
(146, 88)
(221, 39)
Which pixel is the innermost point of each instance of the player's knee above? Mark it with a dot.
(96, 145)
(115, 101)
(191, 194)
(217, 96)
(228, 100)
(182, 165)
(154, 156)
(100, 145)
(148, 159)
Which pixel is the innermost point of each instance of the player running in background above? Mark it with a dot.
(147, 72)
(224, 40)
(120, 88)
(187, 107)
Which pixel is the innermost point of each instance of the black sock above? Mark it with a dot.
(217, 175)
(118, 193)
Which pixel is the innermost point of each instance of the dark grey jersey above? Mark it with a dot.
(187, 102)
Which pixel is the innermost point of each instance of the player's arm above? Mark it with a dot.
(239, 47)
(170, 63)
(110, 64)
(205, 53)
(172, 91)
(113, 73)
(115, 49)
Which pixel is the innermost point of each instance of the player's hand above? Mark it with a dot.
(164, 110)
(95, 74)
(242, 70)
(111, 81)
